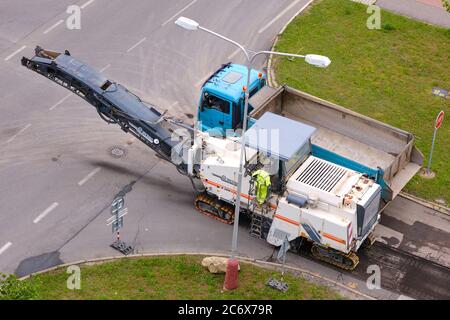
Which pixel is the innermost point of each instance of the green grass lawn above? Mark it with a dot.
(387, 74)
(179, 277)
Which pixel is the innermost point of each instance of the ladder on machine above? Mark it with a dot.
(256, 225)
(257, 212)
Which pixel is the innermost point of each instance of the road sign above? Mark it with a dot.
(118, 211)
(117, 220)
(437, 125)
(117, 224)
(439, 120)
(117, 216)
(117, 204)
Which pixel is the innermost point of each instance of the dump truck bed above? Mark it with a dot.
(344, 135)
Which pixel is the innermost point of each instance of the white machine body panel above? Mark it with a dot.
(334, 195)
(340, 208)
(219, 168)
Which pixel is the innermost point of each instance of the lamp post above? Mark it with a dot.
(313, 59)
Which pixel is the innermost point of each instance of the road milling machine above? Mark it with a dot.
(314, 172)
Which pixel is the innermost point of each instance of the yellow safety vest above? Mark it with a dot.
(262, 184)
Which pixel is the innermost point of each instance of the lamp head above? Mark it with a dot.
(187, 23)
(317, 60)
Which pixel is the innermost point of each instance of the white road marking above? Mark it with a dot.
(46, 212)
(289, 7)
(5, 247)
(14, 53)
(203, 79)
(402, 297)
(233, 54)
(178, 13)
(134, 46)
(90, 175)
(53, 26)
(86, 4)
(59, 102)
(20, 131)
(105, 67)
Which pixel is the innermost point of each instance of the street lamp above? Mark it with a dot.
(313, 59)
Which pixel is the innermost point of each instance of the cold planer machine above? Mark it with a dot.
(333, 207)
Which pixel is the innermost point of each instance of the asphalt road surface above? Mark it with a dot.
(61, 165)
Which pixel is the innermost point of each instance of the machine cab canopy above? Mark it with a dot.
(282, 139)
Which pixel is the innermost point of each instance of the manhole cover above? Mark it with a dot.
(117, 152)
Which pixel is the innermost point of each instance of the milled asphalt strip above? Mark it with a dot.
(89, 176)
(280, 15)
(134, 46)
(5, 247)
(46, 212)
(86, 4)
(21, 130)
(53, 26)
(14, 53)
(178, 13)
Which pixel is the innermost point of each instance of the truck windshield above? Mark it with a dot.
(215, 103)
(297, 159)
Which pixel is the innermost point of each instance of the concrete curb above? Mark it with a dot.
(270, 75)
(366, 2)
(271, 80)
(426, 203)
(257, 262)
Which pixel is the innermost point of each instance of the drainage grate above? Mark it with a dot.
(117, 152)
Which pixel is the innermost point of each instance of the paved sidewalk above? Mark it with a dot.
(430, 11)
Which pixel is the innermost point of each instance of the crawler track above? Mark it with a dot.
(338, 259)
(214, 208)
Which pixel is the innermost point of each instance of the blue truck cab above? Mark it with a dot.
(221, 105)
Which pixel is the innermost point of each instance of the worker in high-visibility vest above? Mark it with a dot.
(262, 184)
